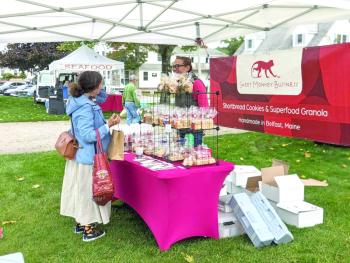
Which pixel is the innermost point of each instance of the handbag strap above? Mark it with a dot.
(99, 148)
(97, 144)
(71, 121)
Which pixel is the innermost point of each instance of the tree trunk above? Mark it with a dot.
(166, 51)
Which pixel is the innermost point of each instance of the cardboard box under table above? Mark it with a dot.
(176, 203)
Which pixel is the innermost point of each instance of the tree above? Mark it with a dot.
(22, 75)
(30, 56)
(133, 55)
(165, 51)
(73, 45)
(232, 45)
(189, 48)
(7, 76)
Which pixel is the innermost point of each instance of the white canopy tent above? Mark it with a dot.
(85, 58)
(179, 22)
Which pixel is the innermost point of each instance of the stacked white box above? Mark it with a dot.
(233, 229)
(241, 173)
(251, 220)
(276, 226)
(224, 203)
(299, 213)
(231, 188)
(223, 190)
(286, 195)
(226, 217)
(288, 188)
(229, 225)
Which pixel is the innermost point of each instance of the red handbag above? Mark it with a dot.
(102, 183)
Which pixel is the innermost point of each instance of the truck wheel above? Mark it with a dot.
(34, 97)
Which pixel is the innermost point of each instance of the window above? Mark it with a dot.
(127, 74)
(300, 39)
(344, 39)
(207, 60)
(159, 57)
(145, 75)
(250, 43)
(192, 59)
(340, 39)
(154, 75)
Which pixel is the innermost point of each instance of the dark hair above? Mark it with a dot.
(87, 81)
(186, 60)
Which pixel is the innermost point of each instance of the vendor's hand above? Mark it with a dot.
(113, 120)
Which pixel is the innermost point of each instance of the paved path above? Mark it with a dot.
(23, 137)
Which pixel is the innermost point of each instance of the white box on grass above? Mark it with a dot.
(281, 188)
(299, 213)
(274, 223)
(232, 189)
(229, 225)
(224, 217)
(224, 203)
(223, 190)
(249, 217)
(241, 173)
(232, 229)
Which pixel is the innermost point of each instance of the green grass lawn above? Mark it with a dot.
(20, 109)
(42, 235)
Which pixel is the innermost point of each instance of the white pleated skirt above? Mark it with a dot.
(76, 197)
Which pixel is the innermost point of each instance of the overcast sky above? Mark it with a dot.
(2, 46)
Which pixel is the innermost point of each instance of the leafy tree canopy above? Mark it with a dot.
(133, 55)
(232, 45)
(73, 45)
(189, 48)
(30, 56)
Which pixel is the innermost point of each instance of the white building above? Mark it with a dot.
(299, 36)
(149, 74)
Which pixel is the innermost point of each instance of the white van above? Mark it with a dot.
(49, 82)
(45, 84)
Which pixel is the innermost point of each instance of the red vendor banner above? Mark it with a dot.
(302, 93)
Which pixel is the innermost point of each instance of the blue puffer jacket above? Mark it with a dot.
(86, 117)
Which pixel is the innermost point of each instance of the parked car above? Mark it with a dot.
(28, 92)
(10, 85)
(13, 91)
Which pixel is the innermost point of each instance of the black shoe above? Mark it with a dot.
(78, 229)
(91, 234)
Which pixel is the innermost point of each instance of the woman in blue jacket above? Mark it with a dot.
(76, 198)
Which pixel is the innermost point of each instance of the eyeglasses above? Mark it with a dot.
(176, 66)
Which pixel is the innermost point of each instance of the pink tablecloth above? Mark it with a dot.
(176, 203)
(112, 103)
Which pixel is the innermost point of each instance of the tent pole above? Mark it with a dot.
(198, 41)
